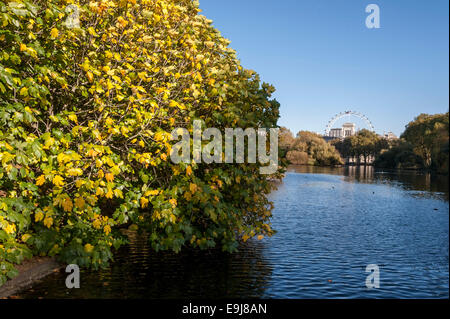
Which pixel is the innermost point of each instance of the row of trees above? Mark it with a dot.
(423, 144)
(307, 148)
(362, 146)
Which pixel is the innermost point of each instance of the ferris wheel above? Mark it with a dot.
(348, 114)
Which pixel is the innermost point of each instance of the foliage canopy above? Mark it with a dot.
(85, 119)
(363, 144)
(423, 144)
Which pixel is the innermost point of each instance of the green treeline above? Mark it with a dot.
(423, 145)
(362, 146)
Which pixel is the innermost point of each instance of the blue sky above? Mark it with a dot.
(323, 60)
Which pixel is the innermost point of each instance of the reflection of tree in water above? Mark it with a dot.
(139, 272)
(408, 180)
(213, 273)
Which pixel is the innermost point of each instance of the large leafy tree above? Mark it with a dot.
(429, 136)
(88, 97)
(423, 144)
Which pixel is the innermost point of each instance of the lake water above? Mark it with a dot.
(331, 223)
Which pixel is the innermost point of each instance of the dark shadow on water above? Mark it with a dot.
(138, 272)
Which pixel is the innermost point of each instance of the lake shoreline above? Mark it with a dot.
(391, 170)
(30, 271)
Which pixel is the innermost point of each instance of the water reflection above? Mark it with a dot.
(434, 184)
(138, 272)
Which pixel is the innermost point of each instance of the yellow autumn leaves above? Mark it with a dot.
(75, 172)
(58, 180)
(247, 237)
(100, 222)
(88, 248)
(54, 33)
(25, 237)
(193, 188)
(94, 131)
(144, 202)
(38, 216)
(79, 202)
(67, 204)
(40, 180)
(152, 192)
(110, 193)
(109, 177)
(47, 219)
(107, 229)
(9, 228)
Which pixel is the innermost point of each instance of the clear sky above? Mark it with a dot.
(323, 60)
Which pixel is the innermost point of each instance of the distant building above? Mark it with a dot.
(347, 129)
(390, 136)
(336, 132)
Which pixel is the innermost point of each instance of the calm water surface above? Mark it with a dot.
(331, 224)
